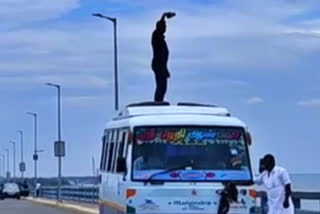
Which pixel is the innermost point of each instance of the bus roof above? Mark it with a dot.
(143, 110)
(153, 113)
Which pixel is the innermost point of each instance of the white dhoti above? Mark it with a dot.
(276, 197)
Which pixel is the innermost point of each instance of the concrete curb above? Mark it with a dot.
(70, 207)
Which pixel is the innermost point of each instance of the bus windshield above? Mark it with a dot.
(190, 153)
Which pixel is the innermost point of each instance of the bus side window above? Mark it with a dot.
(118, 154)
(110, 150)
(122, 139)
(121, 149)
(127, 142)
(105, 151)
(115, 150)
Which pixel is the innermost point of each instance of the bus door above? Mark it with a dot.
(122, 176)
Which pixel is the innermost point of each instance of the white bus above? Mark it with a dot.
(169, 159)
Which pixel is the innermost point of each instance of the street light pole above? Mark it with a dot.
(116, 63)
(8, 158)
(14, 158)
(22, 169)
(35, 155)
(116, 83)
(60, 144)
(3, 164)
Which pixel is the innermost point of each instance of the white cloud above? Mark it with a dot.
(21, 11)
(200, 38)
(205, 43)
(66, 81)
(255, 100)
(84, 101)
(210, 38)
(309, 103)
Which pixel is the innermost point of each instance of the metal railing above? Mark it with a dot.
(77, 193)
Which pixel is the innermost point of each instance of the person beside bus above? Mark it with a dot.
(38, 185)
(276, 181)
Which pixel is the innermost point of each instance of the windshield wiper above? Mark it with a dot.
(167, 171)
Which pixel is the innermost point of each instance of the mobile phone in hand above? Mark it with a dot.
(261, 166)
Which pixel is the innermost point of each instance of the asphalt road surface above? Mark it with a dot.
(12, 206)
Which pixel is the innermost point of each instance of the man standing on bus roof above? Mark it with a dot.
(278, 185)
(160, 57)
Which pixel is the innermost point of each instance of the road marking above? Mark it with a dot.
(70, 207)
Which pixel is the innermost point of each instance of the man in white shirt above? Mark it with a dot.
(278, 185)
(38, 185)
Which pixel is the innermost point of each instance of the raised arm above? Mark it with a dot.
(163, 17)
(167, 15)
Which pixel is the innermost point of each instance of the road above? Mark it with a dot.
(24, 207)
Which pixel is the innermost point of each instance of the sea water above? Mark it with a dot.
(307, 183)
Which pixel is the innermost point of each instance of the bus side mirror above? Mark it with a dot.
(121, 165)
(248, 138)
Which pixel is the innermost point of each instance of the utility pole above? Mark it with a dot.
(59, 146)
(35, 154)
(14, 158)
(22, 164)
(116, 81)
(93, 167)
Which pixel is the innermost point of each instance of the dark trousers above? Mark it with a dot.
(161, 87)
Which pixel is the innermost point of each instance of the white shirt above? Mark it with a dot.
(38, 186)
(275, 185)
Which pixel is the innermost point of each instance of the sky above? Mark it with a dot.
(258, 58)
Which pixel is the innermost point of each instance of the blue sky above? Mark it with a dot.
(259, 58)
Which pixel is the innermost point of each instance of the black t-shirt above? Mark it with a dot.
(160, 51)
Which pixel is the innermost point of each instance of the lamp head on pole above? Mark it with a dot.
(31, 113)
(99, 15)
(54, 85)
